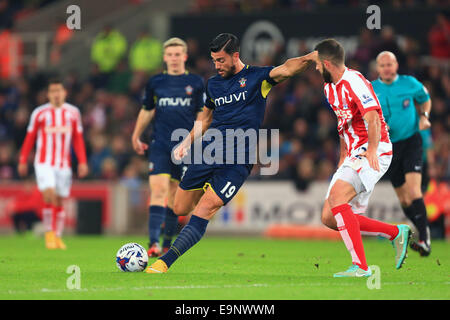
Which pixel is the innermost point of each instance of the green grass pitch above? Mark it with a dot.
(219, 268)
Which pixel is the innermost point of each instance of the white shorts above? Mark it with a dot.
(356, 171)
(55, 178)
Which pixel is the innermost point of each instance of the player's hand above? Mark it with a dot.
(139, 146)
(314, 56)
(372, 158)
(182, 149)
(22, 169)
(424, 123)
(83, 170)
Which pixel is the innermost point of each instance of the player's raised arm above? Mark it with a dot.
(293, 66)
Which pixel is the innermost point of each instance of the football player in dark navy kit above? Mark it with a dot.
(173, 99)
(235, 99)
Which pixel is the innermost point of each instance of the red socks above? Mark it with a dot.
(373, 227)
(53, 219)
(47, 217)
(58, 221)
(349, 229)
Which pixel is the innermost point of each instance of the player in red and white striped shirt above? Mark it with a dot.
(366, 153)
(55, 127)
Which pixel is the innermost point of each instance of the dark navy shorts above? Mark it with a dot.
(160, 162)
(224, 179)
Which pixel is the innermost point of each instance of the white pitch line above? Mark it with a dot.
(225, 286)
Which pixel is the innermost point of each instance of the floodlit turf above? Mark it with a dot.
(219, 268)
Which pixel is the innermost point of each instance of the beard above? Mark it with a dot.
(229, 73)
(326, 75)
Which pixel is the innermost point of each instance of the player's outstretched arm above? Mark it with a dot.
(144, 118)
(293, 66)
(201, 124)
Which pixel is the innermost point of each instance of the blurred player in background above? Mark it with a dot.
(172, 99)
(399, 96)
(235, 99)
(55, 127)
(366, 154)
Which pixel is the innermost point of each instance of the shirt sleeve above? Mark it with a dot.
(420, 94)
(209, 102)
(148, 98)
(200, 96)
(266, 75)
(30, 137)
(78, 140)
(361, 91)
(266, 81)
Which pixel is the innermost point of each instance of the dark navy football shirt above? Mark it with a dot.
(239, 102)
(177, 99)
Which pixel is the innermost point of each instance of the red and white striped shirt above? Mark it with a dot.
(55, 129)
(351, 98)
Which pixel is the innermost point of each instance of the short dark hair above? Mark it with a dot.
(332, 50)
(55, 81)
(225, 41)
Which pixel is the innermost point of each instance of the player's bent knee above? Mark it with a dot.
(335, 199)
(327, 218)
(181, 209)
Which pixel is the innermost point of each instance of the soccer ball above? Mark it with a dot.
(131, 257)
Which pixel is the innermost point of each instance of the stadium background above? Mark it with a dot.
(35, 44)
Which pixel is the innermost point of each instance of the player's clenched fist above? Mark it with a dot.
(139, 146)
(22, 169)
(182, 149)
(83, 170)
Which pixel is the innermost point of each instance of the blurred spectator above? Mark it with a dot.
(145, 54)
(7, 162)
(11, 54)
(305, 173)
(388, 42)
(439, 38)
(131, 180)
(25, 208)
(109, 170)
(364, 51)
(119, 80)
(99, 152)
(61, 37)
(108, 48)
(120, 151)
(6, 15)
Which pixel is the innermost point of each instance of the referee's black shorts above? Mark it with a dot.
(407, 157)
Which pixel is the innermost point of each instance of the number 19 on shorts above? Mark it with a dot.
(228, 190)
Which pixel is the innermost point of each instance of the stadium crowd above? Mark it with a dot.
(109, 100)
(267, 5)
